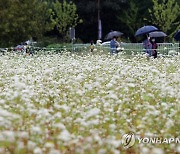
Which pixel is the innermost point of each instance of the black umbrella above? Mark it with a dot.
(177, 35)
(112, 34)
(145, 30)
(157, 34)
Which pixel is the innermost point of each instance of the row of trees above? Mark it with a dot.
(23, 19)
(127, 16)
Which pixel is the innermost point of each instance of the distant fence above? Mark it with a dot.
(128, 48)
(163, 48)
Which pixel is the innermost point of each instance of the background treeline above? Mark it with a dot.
(49, 20)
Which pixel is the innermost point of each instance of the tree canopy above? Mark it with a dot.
(22, 19)
(64, 16)
(165, 14)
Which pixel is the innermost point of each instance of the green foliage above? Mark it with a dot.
(64, 16)
(45, 41)
(58, 45)
(22, 19)
(131, 17)
(165, 14)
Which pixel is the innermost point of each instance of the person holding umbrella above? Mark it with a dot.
(113, 35)
(144, 31)
(148, 46)
(154, 47)
(114, 45)
(153, 35)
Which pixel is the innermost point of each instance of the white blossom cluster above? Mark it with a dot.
(66, 103)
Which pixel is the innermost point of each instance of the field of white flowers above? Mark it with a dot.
(64, 103)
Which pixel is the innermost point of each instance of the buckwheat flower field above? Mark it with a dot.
(64, 103)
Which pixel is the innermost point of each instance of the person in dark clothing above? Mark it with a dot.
(154, 47)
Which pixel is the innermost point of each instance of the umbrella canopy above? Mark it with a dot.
(177, 35)
(111, 34)
(145, 30)
(157, 34)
